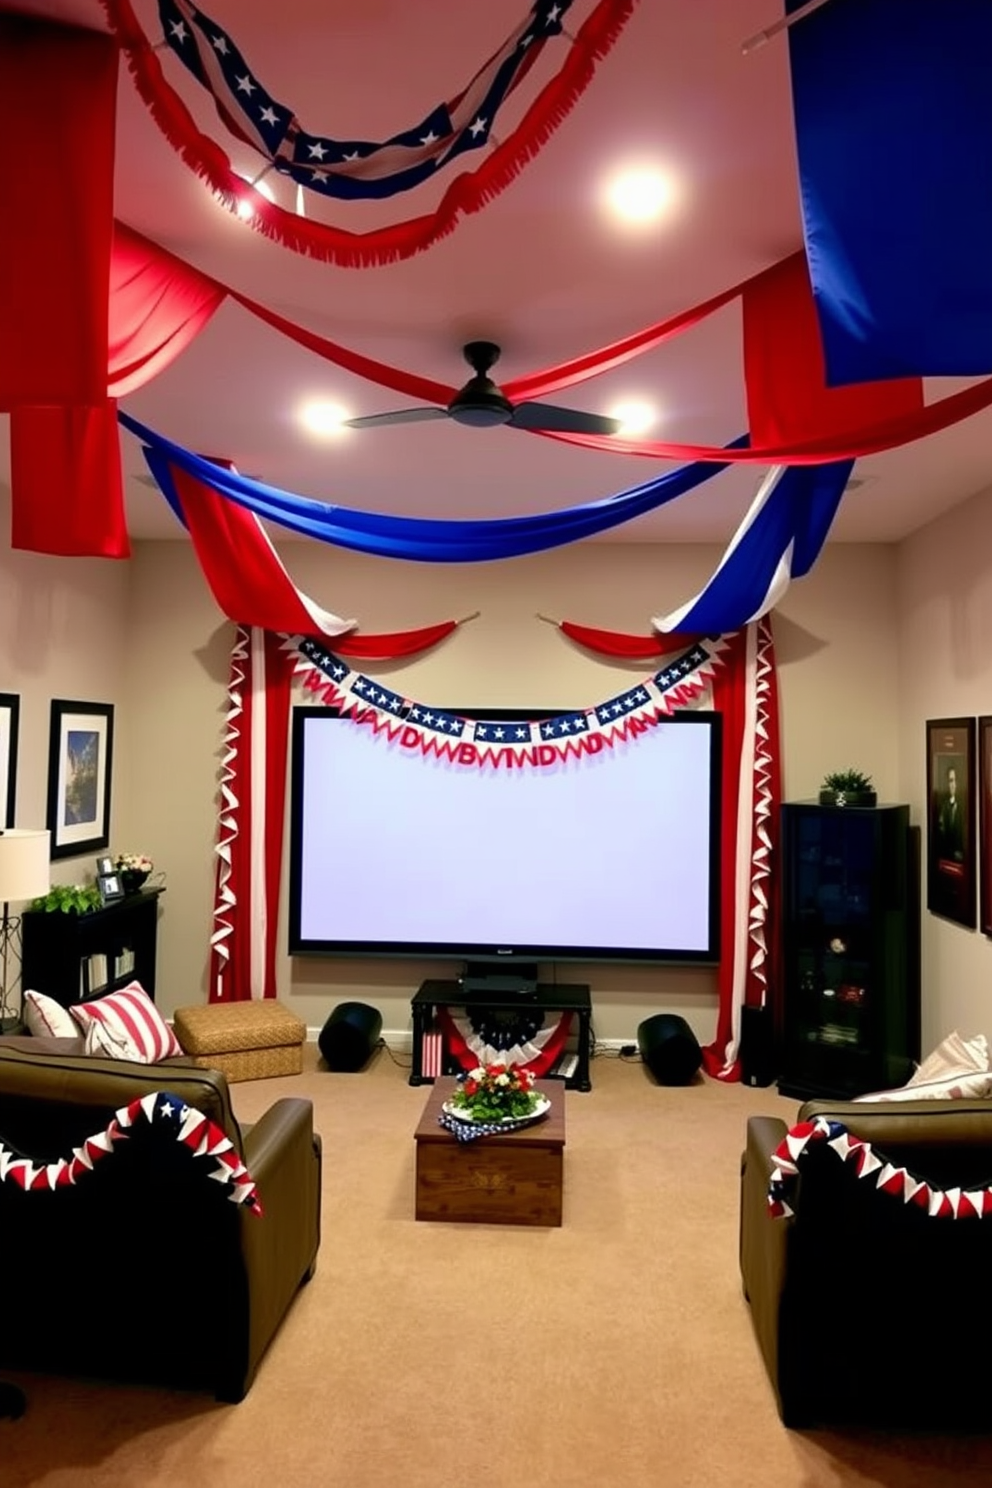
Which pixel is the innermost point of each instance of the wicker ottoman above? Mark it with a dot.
(245, 1040)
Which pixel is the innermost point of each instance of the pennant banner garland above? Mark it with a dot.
(353, 169)
(888, 1178)
(522, 744)
(192, 1130)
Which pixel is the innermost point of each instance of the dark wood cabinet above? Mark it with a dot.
(72, 957)
(850, 1014)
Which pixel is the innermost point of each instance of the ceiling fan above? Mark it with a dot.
(482, 405)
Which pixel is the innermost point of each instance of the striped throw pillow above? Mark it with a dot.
(126, 1025)
(47, 1018)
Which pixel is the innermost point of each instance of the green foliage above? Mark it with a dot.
(69, 898)
(847, 781)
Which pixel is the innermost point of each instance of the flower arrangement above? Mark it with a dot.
(133, 863)
(494, 1092)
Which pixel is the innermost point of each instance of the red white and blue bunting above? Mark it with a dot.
(522, 1036)
(353, 169)
(194, 1132)
(524, 743)
(887, 1177)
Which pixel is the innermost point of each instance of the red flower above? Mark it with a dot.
(471, 1086)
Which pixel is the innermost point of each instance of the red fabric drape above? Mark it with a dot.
(788, 400)
(59, 91)
(65, 474)
(249, 847)
(158, 305)
(729, 699)
(633, 647)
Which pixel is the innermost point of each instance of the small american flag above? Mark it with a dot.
(431, 1053)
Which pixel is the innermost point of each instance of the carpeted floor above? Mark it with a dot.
(616, 1350)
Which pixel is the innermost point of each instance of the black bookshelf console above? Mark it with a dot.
(547, 998)
(72, 957)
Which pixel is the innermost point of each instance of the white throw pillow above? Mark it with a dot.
(958, 1069)
(126, 1025)
(47, 1018)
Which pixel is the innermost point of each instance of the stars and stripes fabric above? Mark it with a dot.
(354, 169)
(474, 1036)
(194, 1132)
(870, 1166)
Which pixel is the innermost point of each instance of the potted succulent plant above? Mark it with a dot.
(847, 788)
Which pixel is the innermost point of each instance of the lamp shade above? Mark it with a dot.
(25, 864)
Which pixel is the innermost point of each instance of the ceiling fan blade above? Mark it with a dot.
(561, 420)
(400, 416)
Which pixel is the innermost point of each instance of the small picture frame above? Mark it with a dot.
(104, 866)
(110, 887)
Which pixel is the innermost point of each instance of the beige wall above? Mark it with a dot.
(944, 595)
(63, 634)
(836, 711)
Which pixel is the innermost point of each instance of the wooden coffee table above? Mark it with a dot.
(514, 1178)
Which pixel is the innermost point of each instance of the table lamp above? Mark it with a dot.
(25, 873)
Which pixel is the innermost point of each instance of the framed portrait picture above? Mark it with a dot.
(985, 824)
(951, 856)
(104, 865)
(80, 759)
(110, 887)
(10, 711)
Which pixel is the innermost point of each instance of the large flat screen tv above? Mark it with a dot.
(608, 856)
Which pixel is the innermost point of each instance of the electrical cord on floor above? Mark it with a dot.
(404, 1063)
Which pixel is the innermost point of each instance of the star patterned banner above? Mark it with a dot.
(522, 743)
(887, 1177)
(352, 169)
(195, 1132)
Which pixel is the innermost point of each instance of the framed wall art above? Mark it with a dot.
(80, 760)
(951, 856)
(985, 824)
(10, 711)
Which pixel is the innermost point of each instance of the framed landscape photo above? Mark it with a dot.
(951, 855)
(10, 710)
(80, 759)
(985, 824)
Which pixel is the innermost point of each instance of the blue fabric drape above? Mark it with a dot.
(421, 539)
(893, 115)
(791, 523)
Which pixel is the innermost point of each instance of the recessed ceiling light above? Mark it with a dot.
(640, 194)
(246, 207)
(635, 418)
(323, 419)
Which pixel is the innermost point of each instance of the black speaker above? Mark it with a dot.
(349, 1036)
(757, 1046)
(669, 1048)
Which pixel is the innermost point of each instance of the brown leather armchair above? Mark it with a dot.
(864, 1307)
(144, 1269)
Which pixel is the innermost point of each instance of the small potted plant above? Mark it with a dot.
(69, 899)
(847, 788)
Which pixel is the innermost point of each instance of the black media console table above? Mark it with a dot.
(548, 998)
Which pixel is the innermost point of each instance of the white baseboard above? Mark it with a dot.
(400, 1040)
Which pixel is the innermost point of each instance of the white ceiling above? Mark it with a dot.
(541, 270)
